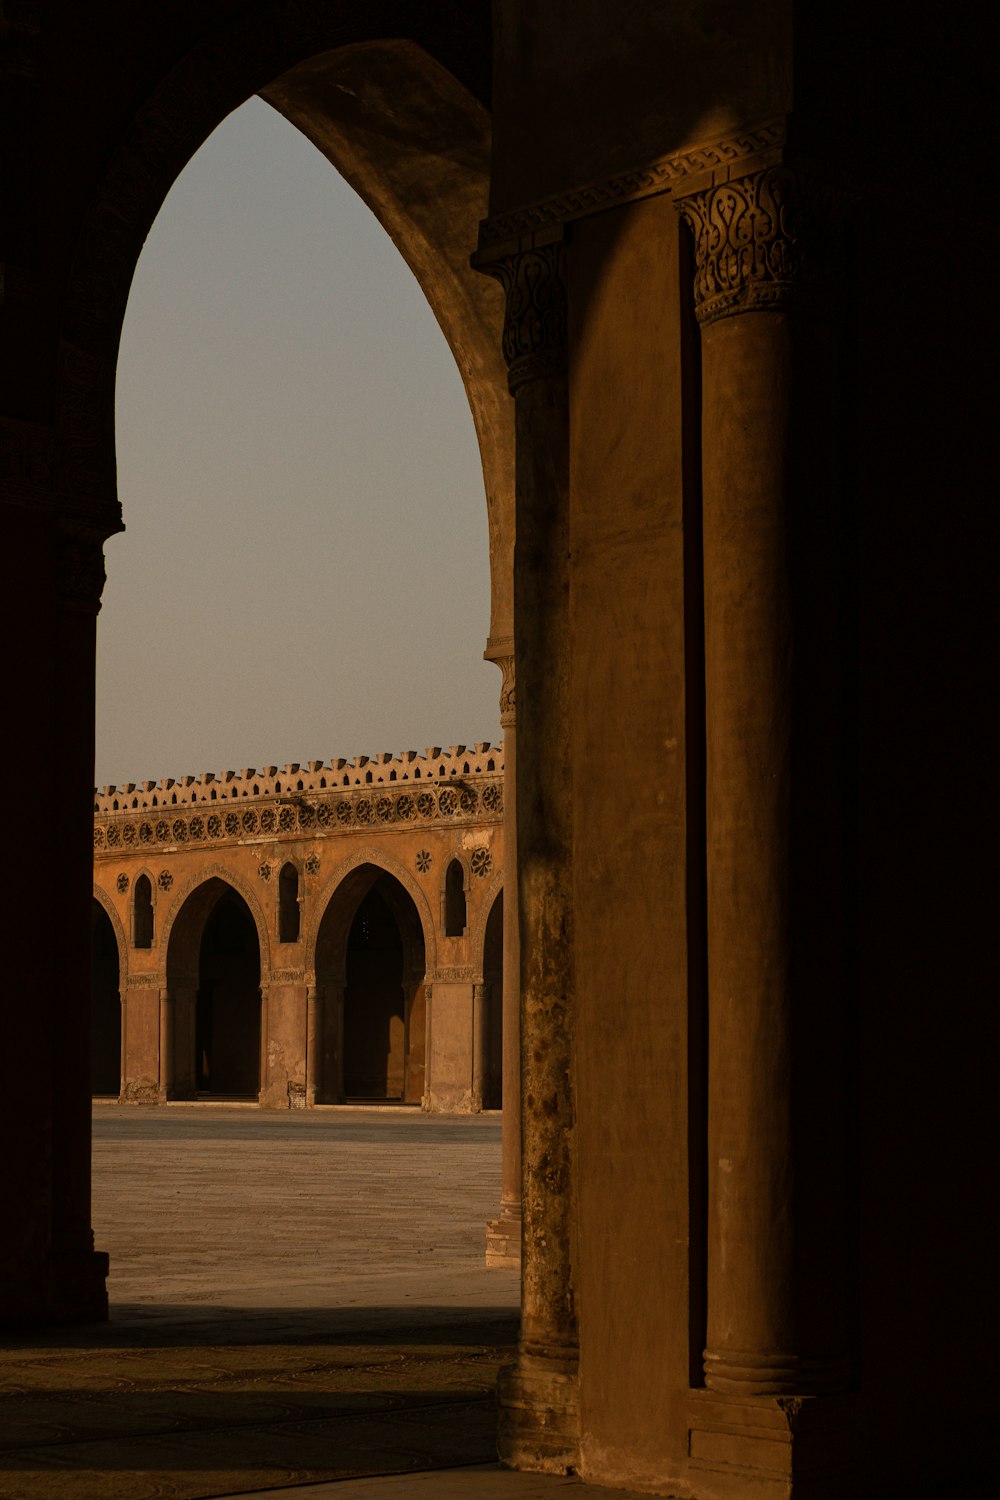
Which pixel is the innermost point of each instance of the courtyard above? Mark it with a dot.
(295, 1298)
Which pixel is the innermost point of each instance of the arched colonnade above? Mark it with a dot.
(741, 439)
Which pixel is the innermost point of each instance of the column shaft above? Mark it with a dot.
(771, 570)
(539, 1401)
(314, 1059)
(503, 1234)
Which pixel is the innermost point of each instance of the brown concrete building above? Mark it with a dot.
(724, 340)
(304, 934)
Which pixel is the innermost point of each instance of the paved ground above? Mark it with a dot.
(297, 1300)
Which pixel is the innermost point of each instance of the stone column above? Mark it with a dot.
(178, 1062)
(503, 1234)
(77, 1271)
(539, 1404)
(775, 1117)
(478, 1045)
(314, 1059)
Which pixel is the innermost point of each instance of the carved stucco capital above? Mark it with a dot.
(508, 692)
(534, 327)
(80, 574)
(764, 242)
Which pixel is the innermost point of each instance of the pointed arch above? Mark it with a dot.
(397, 98)
(386, 865)
(242, 888)
(104, 900)
(483, 910)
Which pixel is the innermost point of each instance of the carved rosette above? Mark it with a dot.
(762, 242)
(534, 328)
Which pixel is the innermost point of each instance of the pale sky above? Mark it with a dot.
(304, 572)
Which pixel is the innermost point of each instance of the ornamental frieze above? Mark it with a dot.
(467, 797)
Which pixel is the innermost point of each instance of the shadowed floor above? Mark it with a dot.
(295, 1298)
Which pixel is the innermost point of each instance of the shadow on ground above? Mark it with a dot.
(154, 1405)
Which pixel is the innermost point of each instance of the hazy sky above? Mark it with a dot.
(305, 570)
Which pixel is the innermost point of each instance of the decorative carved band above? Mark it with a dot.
(657, 176)
(265, 820)
(761, 242)
(534, 328)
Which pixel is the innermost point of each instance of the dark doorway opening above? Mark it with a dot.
(374, 1004)
(227, 1015)
(106, 1017)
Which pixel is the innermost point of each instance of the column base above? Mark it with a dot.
(788, 1447)
(539, 1422)
(140, 1091)
(503, 1242)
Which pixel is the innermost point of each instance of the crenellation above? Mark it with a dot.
(315, 778)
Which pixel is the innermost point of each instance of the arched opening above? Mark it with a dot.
(227, 1028)
(493, 998)
(106, 1011)
(370, 964)
(454, 900)
(288, 905)
(210, 1043)
(142, 913)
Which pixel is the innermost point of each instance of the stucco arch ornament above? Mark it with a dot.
(261, 47)
(240, 886)
(105, 901)
(387, 866)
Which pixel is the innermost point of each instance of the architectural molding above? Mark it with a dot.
(657, 176)
(455, 974)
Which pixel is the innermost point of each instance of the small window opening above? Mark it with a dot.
(213, 794)
(454, 900)
(490, 766)
(392, 775)
(288, 905)
(368, 776)
(298, 786)
(142, 913)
